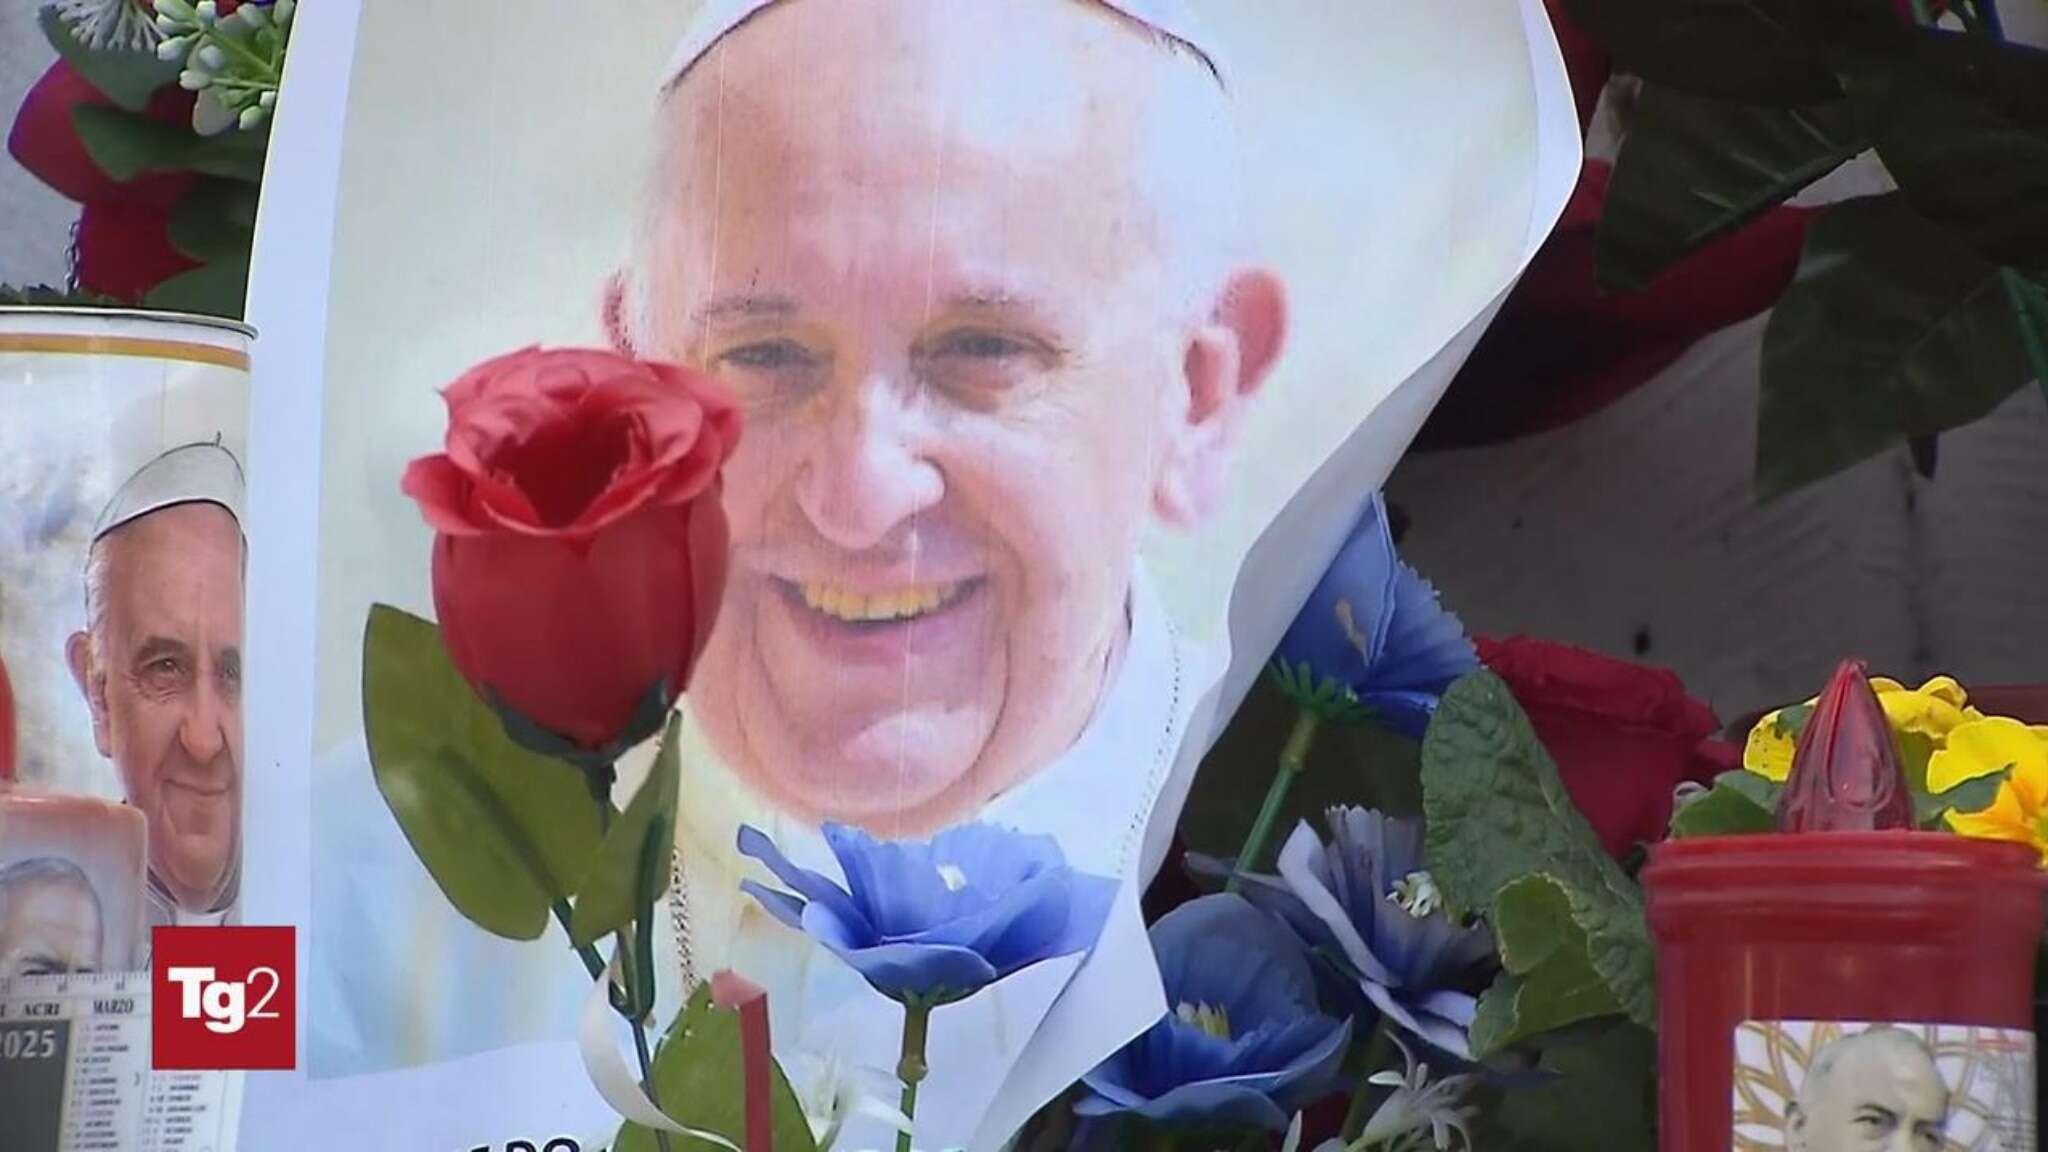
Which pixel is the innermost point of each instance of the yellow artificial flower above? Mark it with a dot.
(1979, 748)
(1932, 710)
(2020, 811)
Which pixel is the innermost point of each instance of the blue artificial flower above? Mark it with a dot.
(1365, 902)
(1372, 642)
(1242, 1042)
(931, 922)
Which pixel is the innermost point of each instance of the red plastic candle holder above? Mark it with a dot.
(1843, 929)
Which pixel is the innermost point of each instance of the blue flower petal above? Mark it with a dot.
(1426, 646)
(902, 971)
(1433, 1029)
(1206, 1102)
(1219, 950)
(776, 903)
(1457, 1007)
(809, 885)
(1305, 867)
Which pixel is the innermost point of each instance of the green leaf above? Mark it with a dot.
(1759, 51)
(236, 155)
(126, 77)
(1497, 813)
(1962, 125)
(1791, 720)
(1600, 1091)
(215, 220)
(504, 833)
(217, 289)
(126, 145)
(1726, 810)
(632, 867)
(700, 1081)
(1694, 169)
(1969, 796)
(1892, 328)
(1547, 980)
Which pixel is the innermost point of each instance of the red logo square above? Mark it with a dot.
(223, 998)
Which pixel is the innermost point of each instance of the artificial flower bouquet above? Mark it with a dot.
(155, 119)
(1442, 945)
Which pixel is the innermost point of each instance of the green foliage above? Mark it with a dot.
(1740, 803)
(1506, 842)
(1694, 169)
(699, 1078)
(1893, 327)
(126, 145)
(505, 833)
(128, 78)
(1599, 1089)
(1900, 324)
(1547, 979)
(1327, 697)
(632, 869)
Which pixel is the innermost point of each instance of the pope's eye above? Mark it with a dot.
(768, 356)
(979, 344)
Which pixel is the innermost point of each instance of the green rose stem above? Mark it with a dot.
(600, 780)
(1293, 755)
(911, 1068)
(1376, 1052)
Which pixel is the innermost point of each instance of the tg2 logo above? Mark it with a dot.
(222, 998)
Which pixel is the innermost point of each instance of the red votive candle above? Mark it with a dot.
(1776, 954)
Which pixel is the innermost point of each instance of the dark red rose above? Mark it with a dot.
(124, 250)
(581, 549)
(1624, 736)
(1563, 348)
(45, 141)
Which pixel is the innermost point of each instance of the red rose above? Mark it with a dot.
(124, 250)
(581, 548)
(45, 140)
(1624, 736)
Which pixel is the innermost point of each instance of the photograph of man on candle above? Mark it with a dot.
(158, 661)
(1824, 1086)
(50, 919)
(1034, 319)
(1875, 1091)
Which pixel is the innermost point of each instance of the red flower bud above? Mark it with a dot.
(124, 250)
(582, 549)
(45, 141)
(1846, 775)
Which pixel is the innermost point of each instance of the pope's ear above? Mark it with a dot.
(1228, 357)
(617, 330)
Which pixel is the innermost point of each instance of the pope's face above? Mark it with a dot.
(924, 243)
(1879, 1097)
(168, 696)
(50, 926)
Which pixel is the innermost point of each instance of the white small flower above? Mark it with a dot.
(252, 116)
(1417, 894)
(267, 99)
(173, 48)
(120, 24)
(206, 11)
(192, 80)
(211, 58)
(1418, 1104)
(832, 1092)
(281, 12)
